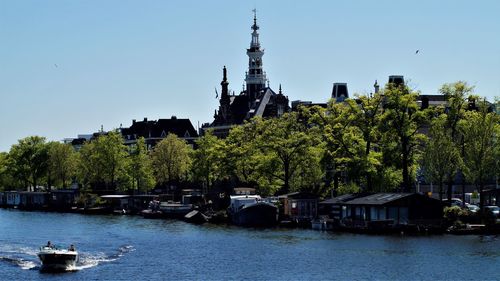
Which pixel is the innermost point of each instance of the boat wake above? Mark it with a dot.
(22, 257)
(88, 260)
(26, 258)
(17, 261)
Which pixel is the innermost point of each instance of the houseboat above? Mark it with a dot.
(251, 210)
(392, 211)
(175, 209)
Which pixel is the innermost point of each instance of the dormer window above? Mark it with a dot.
(187, 135)
(163, 134)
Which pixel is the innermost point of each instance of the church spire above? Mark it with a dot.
(224, 115)
(255, 35)
(255, 77)
(224, 84)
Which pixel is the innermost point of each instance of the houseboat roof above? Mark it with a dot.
(378, 198)
(339, 199)
(299, 195)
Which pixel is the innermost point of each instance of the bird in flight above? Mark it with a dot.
(416, 52)
(55, 65)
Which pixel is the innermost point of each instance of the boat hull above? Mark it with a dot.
(58, 260)
(257, 214)
(175, 210)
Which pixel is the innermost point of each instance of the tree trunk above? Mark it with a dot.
(441, 190)
(450, 189)
(406, 175)
(286, 186)
(368, 175)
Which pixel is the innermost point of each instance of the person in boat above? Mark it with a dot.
(72, 248)
(49, 245)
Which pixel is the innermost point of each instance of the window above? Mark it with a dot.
(382, 213)
(393, 213)
(373, 213)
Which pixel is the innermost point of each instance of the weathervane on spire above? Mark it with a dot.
(255, 27)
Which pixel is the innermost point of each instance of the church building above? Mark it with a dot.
(257, 99)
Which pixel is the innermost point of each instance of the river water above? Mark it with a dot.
(133, 248)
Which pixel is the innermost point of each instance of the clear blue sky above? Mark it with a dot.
(68, 67)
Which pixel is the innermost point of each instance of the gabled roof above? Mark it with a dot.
(239, 108)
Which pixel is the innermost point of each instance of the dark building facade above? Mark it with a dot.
(154, 131)
(257, 99)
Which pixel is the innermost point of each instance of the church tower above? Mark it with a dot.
(255, 77)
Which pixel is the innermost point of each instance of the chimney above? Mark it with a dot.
(340, 92)
(397, 80)
(133, 121)
(145, 119)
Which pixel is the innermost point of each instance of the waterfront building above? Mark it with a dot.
(299, 206)
(382, 210)
(3, 199)
(32, 200)
(63, 199)
(12, 199)
(257, 99)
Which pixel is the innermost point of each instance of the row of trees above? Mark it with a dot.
(381, 142)
(102, 164)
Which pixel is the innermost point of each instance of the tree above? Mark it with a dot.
(29, 159)
(207, 159)
(402, 121)
(287, 151)
(141, 167)
(171, 159)
(455, 94)
(441, 157)
(5, 175)
(104, 163)
(367, 115)
(241, 152)
(62, 163)
(480, 130)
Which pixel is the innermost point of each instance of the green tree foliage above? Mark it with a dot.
(456, 95)
(480, 130)
(242, 153)
(441, 156)
(207, 160)
(62, 163)
(401, 123)
(171, 160)
(289, 156)
(6, 179)
(366, 115)
(104, 163)
(141, 170)
(29, 160)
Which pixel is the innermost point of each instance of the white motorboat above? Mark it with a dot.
(53, 258)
